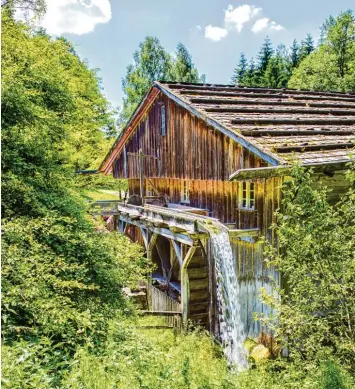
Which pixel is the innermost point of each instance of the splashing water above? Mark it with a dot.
(231, 327)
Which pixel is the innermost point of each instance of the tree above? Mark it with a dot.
(61, 279)
(183, 68)
(250, 76)
(294, 54)
(306, 47)
(317, 260)
(240, 71)
(37, 7)
(332, 65)
(340, 39)
(151, 63)
(265, 54)
(278, 70)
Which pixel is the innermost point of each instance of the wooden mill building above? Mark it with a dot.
(196, 154)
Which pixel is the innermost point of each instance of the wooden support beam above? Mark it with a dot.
(159, 313)
(151, 244)
(238, 233)
(177, 249)
(144, 233)
(185, 290)
(177, 229)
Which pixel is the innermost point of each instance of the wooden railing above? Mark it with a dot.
(162, 303)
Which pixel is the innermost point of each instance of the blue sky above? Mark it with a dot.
(215, 31)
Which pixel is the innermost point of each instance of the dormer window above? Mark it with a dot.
(185, 192)
(247, 195)
(163, 120)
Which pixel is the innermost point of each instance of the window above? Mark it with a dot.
(246, 195)
(163, 120)
(185, 192)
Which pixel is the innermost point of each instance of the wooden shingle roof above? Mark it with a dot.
(282, 124)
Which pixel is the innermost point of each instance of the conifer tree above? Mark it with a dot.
(240, 71)
(265, 54)
(278, 70)
(250, 76)
(294, 54)
(306, 48)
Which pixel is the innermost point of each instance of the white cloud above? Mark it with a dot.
(237, 17)
(199, 28)
(215, 33)
(74, 16)
(266, 24)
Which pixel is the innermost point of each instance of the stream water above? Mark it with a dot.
(228, 291)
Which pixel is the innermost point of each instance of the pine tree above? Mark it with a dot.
(250, 76)
(306, 48)
(240, 71)
(278, 70)
(183, 68)
(265, 54)
(294, 54)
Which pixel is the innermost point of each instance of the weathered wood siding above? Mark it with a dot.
(190, 149)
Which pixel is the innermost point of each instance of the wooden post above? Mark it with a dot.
(185, 290)
(149, 277)
(141, 175)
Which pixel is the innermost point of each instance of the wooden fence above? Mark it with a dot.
(160, 302)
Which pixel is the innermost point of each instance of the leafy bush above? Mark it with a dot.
(150, 359)
(317, 261)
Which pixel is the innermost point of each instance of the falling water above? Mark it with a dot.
(231, 327)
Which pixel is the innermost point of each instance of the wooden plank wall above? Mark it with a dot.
(251, 269)
(190, 149)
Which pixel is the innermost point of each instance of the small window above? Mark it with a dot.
(247, 195)
(185, 192)
(163, 120)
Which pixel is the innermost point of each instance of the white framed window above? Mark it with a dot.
(185, 192)
(246, 195)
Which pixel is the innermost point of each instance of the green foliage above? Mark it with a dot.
(151, 359)
(36, 7)
(332, 65)
(265, 54)
(100, 181)
(183, 68)
(278, 70)
(306, 47)
(52, 105)
(317, 260)
(239, 71)
(153, 63)
(61, 278)
(282, 374)
(294, 54)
